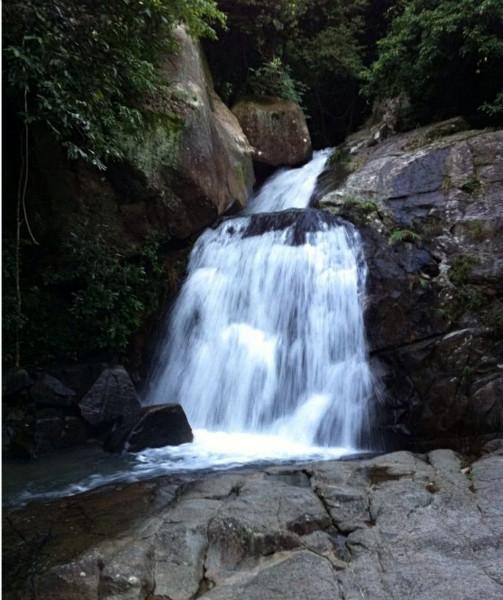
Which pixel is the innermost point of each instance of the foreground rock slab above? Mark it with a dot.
(399, 526)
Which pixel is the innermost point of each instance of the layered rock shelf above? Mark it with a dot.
(398, 526)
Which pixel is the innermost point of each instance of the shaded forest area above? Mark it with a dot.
(80, 77)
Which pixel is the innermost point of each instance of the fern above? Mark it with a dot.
(403, 235)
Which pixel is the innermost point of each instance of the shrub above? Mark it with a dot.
(92, 298)
(273, 79)
(403, 235)
(318, 43)
(446, 55)
(81, 66)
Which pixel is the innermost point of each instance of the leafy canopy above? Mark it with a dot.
(307, 48)
(446, 55)
(85, 65)
(274, 79)
(93, 300)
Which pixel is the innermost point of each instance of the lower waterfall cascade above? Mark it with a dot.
(267, 335)
(264, 348)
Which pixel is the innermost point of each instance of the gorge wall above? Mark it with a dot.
(429, 205)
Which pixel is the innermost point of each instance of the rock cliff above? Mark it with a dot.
(191, 164)
(429, 206)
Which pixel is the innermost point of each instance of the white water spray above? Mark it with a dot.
(267, 334)
(289, 188)
(265, 347)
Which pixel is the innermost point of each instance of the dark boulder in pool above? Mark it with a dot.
(50, 391)
(111, 399)
(157, 426)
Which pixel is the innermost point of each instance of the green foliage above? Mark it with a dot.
(86, 66)
(263, 24)
(361, 204)
(494, 108)
(327, 55)
(112, 293)
(403, 235)
(327, 41)
(317, 42)
(467, 298)
(475, 230)
(446, 55)
(273, 79)
(461, 269)
(472, 186)
(93, 300)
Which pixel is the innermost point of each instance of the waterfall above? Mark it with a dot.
(267, 334)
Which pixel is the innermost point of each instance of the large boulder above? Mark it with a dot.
(52, 392)
(428, 207)
(155, 427)
(112, 399)
(276, 129)
(191, 163)
(193, 171)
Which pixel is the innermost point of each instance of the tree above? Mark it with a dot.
(327, 55)
(313, 46)
(446, 55)
(83, 64)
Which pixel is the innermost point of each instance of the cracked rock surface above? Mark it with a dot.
(428, 205)
(395, 527)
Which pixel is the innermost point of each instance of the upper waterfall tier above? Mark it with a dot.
(289, 188)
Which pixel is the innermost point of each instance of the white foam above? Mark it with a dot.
(267, 335)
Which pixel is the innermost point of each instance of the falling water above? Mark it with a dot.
(267, 334)
(265, 347)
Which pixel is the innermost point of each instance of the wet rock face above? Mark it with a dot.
(301, 222)
(276, 129)
(428, 206)
(158, 426)
(393, 527)
(42, 414)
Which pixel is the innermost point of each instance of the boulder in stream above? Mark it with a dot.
(111, 399)
(162, 425)
(157, 426)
